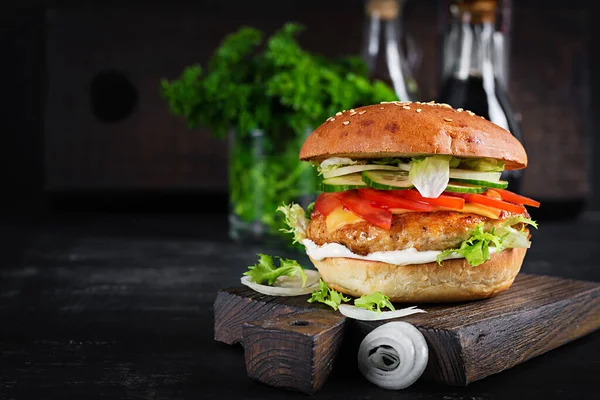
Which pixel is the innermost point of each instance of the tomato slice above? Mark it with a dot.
(390, 199)
(517, 198)
(365, 209)
(326, 203)
(442, 200)
(489, 201)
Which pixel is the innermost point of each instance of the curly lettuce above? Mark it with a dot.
(374, 302)
(265, 271)
(327, 296)
(296, 221)
(476, 249)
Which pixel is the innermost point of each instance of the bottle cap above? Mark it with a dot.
(384, 9)
(477, 11)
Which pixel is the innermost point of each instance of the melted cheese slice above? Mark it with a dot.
(339, 218)
(474, 208)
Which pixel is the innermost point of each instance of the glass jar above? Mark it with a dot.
(264, 173)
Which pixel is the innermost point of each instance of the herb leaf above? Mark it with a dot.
(327, 296)
(374, 302)
(272, 86)
(264, 270)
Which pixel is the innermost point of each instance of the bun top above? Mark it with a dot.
(405, 129)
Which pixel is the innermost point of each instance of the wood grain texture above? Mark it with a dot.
(295, 351)
(236, 306)
(467, 341)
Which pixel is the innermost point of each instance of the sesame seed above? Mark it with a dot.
(431, 102)
(448, 119)
(352, 110)
(361, 112)
(481, 116)
(406, 107)
(384, 102)
(346, 122)
(471, 113)
(353, 113)
(381, 108)
(338, 113)
(459, 109)
(418, 110)
(332, 119)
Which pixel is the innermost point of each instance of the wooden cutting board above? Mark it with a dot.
(293, 344)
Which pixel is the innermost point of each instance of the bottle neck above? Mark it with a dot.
(475, 52)
(382, 44)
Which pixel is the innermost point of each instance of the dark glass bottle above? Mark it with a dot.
(475, 77)
(389, 52)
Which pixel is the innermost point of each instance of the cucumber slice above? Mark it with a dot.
(456, 173)
(404, 166)
(341, 183)
(387, 180)
(459, 187)
(350, 169)
(494, 185)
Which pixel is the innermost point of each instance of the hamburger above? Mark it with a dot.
(413, 205)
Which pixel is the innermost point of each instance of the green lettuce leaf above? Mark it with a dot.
(482, 164)
(265, 271)
(430, 175)
(374, 302)
(295, 219)
(327, 296)
(454, 162)
(475, 249)
(520, 219)
(333, 163)
(388, 161)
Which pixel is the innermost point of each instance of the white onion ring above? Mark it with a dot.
(363, 314)
(286, 285)
(393, 355)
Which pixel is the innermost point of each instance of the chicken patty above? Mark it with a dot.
(423, 231)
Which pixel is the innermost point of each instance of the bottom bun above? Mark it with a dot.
(454, 280)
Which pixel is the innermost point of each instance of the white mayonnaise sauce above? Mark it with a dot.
(396, 257)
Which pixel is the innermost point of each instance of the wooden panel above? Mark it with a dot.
(151, 149)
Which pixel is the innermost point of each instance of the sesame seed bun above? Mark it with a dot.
(399, 129)
(455, 280)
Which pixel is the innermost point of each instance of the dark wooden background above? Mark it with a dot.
(56, 144)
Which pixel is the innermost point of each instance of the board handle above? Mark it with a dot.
(393, 356)
(295, 351)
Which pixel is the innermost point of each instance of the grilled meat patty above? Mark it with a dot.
(424, 231)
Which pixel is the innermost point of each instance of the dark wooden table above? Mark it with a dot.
(122, 307)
